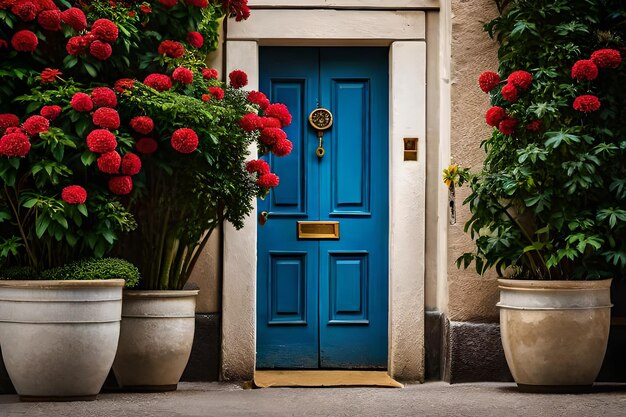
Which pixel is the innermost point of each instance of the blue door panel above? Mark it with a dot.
(323, 303)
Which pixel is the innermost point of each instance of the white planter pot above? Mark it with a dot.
(155, 340)
(59, 338)
(554, 333)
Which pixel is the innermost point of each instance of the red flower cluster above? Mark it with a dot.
(205, 97)
(534, 126)
(101, 141)
(508, 125)
(49, 75)
(145, 8)
(106, 118)
(258, 165)
(209, 73)
(24, 41)
(509, 93)
(250, 122)
(81, 102)
(74, 194)
(195, 39)
(586, 103)
(198, 3)
(488, 80)
(268, 180)
(282, 147)
(35, 125)
(520, 79)
(238, 79)
(104, 97)
(100, 50)
(142, 124)
(271, 135)
(8, 120)
(183, 75)
(172, 49)
(74, 18)
(495, 115)
(131, 164)
(146, 146)
(159, 82)
(121, 185)
(110, 162)
(104, 30)
(280, 112)
(50, 112)
(258, 98)
(606, 58)
(25, 10)
(217, 93)
(14, 145)
(269, 122)
(237, 8)
(184, 140)
(584, 69)
(124, 84)
(50, 20)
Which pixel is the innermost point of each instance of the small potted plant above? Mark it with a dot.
(548, 208)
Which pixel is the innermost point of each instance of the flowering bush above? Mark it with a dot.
(110, 122)
(550, 202)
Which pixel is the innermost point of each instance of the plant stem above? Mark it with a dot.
(31, 256)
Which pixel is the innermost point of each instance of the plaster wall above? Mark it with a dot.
(470, 296)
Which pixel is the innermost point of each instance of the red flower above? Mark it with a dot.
(270, 135)
(14, 145)
(76, 45)
(606, 58)
(145, 8)
(101, 141)
(74, 194)
(50, 20)
(50, 112)
(198, 3)
(124, 84)
(183, 75)
(106, 118)
(14, 130)
(282, 147)
(206, 98)
(81, 102)
(488, 80)
(209, 73)
(238, 79)
(195, 39)
(35, 125)
(259, 98)
(520, 79)
(168, 3)
(100, 50)
(49, 75)
(131, 14)
(584, 69)
(509, 93)
(269, 122)
(184, 140)
(8, 120)
(142, 124)
(268, 180)
(216, 92)
(74, 18)
(25, 10)
(131, 164)
(280, 112)
(534, 126)
(508, 125)
(159, 82)
(172, 49)
(250, 122)
(258, 165)
(46, 5)
(24, 41)
(104, 97)
(586, 103)
(238, 9)
(121, 185)
(146, 146)
(104, 30)
(110, 162)
(495, 115)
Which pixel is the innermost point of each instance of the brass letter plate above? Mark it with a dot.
(318, 230)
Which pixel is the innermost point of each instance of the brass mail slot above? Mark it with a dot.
(318, 230)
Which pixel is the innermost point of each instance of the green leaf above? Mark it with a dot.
(83, 209)
(90, 69)
(30, 202)
(41, 226)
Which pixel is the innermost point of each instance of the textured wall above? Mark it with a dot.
(471, 297)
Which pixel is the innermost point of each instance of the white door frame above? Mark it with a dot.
(404, 33)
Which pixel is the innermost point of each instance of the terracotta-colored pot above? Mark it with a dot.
(554, 333)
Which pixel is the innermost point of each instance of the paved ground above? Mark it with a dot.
(430, 399)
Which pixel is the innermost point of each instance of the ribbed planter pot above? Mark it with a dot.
(155, 340)
(554, 333)
(59, 338)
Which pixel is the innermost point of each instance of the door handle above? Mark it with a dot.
(263, 216)
(321, 119)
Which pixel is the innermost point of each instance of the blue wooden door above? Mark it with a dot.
(323, 303)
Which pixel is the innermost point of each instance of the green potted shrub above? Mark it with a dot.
(548, 209)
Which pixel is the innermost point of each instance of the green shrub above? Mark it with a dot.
(89, 269)
(18, 272)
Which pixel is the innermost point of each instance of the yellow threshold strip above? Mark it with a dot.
(266, 379)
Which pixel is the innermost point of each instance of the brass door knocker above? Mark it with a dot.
(321, 119)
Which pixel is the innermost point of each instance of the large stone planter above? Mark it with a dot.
(59, 338)
(554, 333)
(155, 340)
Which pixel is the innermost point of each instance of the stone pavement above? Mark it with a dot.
(430, 399)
